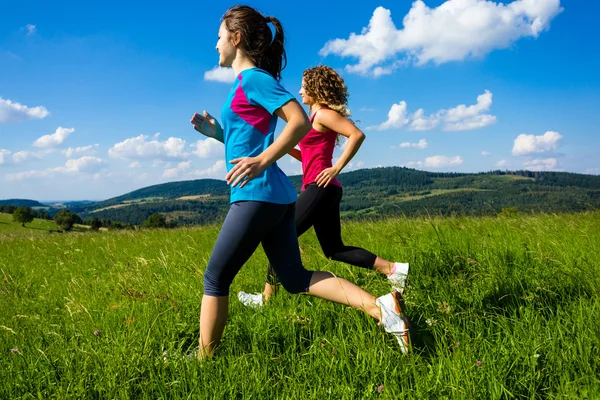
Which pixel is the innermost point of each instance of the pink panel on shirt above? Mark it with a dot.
(256, 116)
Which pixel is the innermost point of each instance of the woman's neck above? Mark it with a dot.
(313, 108)
(241, 63)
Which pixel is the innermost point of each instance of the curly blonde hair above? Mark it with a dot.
(327, 88)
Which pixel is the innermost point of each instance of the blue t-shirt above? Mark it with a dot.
(249, 128)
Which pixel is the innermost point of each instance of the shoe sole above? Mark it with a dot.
(399, 306)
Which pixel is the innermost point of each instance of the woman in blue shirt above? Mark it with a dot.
(262, 197)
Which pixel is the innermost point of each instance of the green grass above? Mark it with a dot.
(519, 295)
(36, 226)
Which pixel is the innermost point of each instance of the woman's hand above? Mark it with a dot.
(207, 125)
(245, 169)
(326, 176)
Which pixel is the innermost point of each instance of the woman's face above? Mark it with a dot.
(227, 51)
(306, 99)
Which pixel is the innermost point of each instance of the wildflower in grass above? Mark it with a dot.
(479, 363)
(97, 332)
(444, 307)
(380, 388)
(457, 344)
(14, 350)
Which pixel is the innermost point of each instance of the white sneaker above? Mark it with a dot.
(398, 278)
(393, 319)
(251, 299)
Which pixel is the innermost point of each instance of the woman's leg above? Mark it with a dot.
(306, 205)
(281, 247)
(243, 229)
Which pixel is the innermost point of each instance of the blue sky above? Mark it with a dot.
(95, 99)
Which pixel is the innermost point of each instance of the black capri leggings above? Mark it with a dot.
(320, 207)
(248, 224)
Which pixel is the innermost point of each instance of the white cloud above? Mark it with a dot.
(14, 112)
(366, 109)
(31, 30)
(548, 164)
(396, 118)
(421, 144)
(181, 167)
(85, 150)
(454, 31)
(135, 164)
(422, 123)
(208, 148)
(3, 155)
(220, 74)
(462, 118)
(459, 118)
(526, 145)
(22, 156)
(360, 164)
(139, 148)
(502, 164)
(485, 153)
(437, 162)
(84, 165)
(54, 139)
(217, 171)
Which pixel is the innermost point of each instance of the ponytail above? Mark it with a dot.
(275, 60)
(257, 41)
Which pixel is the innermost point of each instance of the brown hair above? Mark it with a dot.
(257, 41)
(327, 88)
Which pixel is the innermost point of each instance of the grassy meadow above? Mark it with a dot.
(503, 307)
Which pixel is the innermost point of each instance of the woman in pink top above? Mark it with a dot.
(326, 95)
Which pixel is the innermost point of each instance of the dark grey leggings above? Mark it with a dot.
(248, 224)
(320, 207)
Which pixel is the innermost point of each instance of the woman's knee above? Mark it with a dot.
(297, 284)
(215, 286)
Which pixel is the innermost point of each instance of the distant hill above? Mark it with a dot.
(20, 203)
(374, 193)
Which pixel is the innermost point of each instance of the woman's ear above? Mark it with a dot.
(236, 38)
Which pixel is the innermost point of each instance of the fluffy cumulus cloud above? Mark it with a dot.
(437, 162)
(14, 112)
(208, 148)
(86, 165)
(55, 139)
(140, 148)
(84, 150)
(216, 171)
(220, 74)
(527, 145)
(459, 118)
(182, 167)
(547, 164)
(421, 144)
(453, 31)
(397, 118)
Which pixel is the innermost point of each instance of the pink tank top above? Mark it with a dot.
(317, 152)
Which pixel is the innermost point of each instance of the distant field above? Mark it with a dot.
(503, 307)
(37, 225)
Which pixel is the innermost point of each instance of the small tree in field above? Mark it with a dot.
(155, 221)
(65, 219)
(96, 224)
(23, 215)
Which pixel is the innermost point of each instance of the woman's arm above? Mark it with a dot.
(297, 127)
(335, 122)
